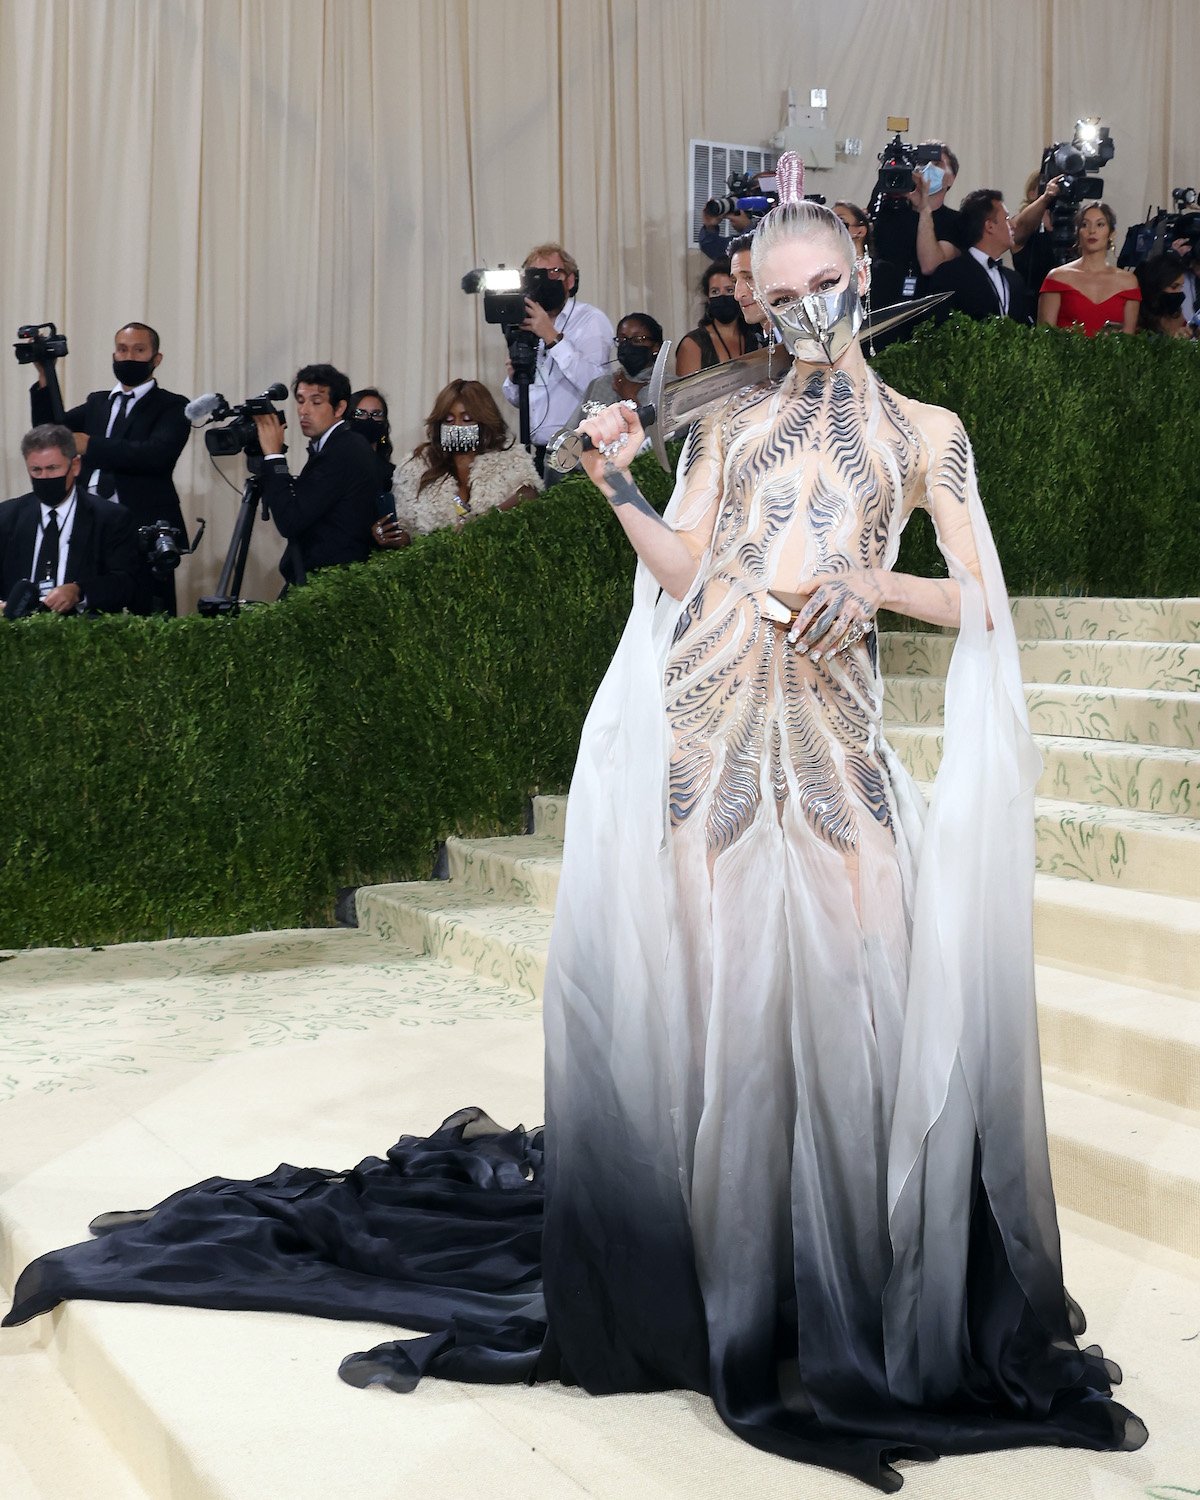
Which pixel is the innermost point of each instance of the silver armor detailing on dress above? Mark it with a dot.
(816, 478)
(952, 466)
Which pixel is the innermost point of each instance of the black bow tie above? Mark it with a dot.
(993, 265)
(314, 448)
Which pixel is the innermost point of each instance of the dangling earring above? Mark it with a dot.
(865, 260)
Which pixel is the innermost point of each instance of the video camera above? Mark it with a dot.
(40, 344)
(239, 435)
(504, 292)
(1089, 149)
(898, 161)
(749, 193)
(1161, 229)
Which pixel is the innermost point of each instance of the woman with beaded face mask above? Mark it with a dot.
(468, 464)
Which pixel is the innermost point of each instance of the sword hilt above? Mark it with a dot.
(568, 448)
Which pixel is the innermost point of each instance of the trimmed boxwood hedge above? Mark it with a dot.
(210, 776)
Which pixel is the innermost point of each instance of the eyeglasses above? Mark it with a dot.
(361, 414)
(637, 338)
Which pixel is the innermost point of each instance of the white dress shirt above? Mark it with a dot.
(565, 372)
(114, 406)
(66, 524)
(994, 277)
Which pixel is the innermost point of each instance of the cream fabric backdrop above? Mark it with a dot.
(273, 181)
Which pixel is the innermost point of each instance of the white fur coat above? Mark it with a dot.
(494, 477)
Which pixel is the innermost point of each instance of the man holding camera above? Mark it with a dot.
(62, 549)
(326, 511)
(575, 344)
(921, 241)
(129, 439)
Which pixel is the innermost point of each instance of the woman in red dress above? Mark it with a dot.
(1088, 294)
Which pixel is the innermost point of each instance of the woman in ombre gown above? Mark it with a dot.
(795, 1154)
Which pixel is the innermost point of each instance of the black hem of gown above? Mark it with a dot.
(444, 1236)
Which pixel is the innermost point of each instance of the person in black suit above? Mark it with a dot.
(326, 511)
(60, 548)
(130, 439)
(980, 286)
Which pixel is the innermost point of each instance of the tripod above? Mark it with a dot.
(227, 600)
(522, 351)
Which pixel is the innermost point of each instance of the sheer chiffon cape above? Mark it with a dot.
(693, 1216)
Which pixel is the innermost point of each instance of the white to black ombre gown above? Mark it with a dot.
(795, 1154)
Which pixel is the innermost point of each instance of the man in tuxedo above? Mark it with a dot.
(129, 439)
(62, 549)
(980, 286)
(325, 511)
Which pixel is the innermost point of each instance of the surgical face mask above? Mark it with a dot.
(723, 309)
(636, 359)
(819, 328)
(51, 489)
(132, 372)
(935, 177)
(1171, 303)
(459, 437)
(369, 428)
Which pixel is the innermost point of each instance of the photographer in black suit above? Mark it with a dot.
(60, 548)
(326, 511)
(981, 287)
(130, 439)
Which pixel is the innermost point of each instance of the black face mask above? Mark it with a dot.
(552, 295)
(372, 431)
(723, 309)
(635, 358)
(52, 488)
(1170, 303)
(133, 372)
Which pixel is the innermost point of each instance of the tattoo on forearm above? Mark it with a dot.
(625, 492)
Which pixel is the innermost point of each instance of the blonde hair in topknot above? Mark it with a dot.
(800, 220)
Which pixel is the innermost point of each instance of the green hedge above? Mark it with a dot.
(1084, 449)
(195, 776)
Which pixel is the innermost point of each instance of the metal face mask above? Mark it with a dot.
(819, 328)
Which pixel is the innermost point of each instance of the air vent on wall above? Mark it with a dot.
(711, 164)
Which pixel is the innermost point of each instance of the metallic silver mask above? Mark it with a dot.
(459, 437)
(819, 328)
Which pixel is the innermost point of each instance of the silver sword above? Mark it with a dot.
(672, 405)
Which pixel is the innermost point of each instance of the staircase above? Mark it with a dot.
(1113, 688)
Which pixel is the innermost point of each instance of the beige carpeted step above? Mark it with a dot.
(50, 1446)
(550, 816)
(525, 868)
(1150, 665)
(1107, 619)
(1125, 1160)
(1098, 918)
(1113, 846)
(1128, 934)
(1143, 1040)
(1134, 715)
(1111, 773)
(501, 940)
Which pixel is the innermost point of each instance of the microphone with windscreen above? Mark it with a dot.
(213, 407)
